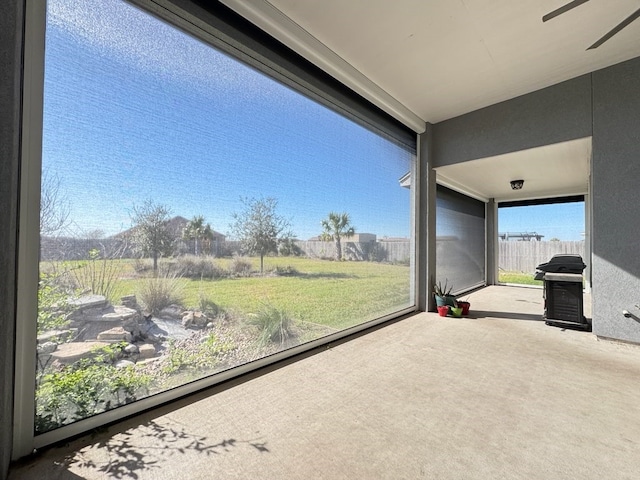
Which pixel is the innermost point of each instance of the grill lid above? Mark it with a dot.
(565, 263)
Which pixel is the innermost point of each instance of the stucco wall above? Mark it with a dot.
(616, 200)
(555, 114)
(606, 105)
(10, 18)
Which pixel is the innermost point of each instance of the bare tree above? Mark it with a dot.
(54, 205)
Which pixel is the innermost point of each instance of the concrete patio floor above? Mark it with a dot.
(495, 396)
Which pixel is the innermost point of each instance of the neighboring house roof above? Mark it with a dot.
(176, 224)
(405, 180)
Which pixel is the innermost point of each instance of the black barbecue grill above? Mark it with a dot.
(563, 304)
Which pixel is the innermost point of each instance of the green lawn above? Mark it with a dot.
(520, 278)
(335, 294)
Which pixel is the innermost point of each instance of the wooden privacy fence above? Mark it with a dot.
(379, 251)
(526, 256)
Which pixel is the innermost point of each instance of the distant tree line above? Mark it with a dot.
(258, 229)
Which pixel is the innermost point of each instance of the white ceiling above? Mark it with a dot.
(555, 170)
(431, 60)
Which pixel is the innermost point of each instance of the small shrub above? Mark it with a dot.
(240, 267)
(85, 388)
(191, 266)
(209, 307)
(98, 274)
(274, 325)
(286, 271)
(194, 354)
(378, 253)
(287, 247)
(141, 265)
(159, 292)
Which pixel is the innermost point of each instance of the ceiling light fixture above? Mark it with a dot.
(516, 184)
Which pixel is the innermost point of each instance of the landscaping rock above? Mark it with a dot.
(194, 319)
(129, 301)
(70, 352)
(88, 301)
(171, 312)
(147, 350)
(131, 349)
(119, 314)
(52, 335)
(114, 335)
(158, 329)
(187, 319)
(81, 317)
(47, 348)
(131, 325)
(124, 364)
(200, 319)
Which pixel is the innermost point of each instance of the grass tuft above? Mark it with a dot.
(274, 325)
(159, 292)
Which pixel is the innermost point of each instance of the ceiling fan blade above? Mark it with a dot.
(616, 29)
(563, 9)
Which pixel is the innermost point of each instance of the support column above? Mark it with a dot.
(426, 215)
(491, 243)
(587, 240)
(11, 16)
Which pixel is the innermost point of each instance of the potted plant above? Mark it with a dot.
(443, 294)
(466, 305)
(456, 310)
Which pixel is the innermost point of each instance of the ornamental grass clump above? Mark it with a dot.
(159, 292)
(274, 325)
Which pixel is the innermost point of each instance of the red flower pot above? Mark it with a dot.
(465, 307)
(443, 311)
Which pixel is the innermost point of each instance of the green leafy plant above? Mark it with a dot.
(208, 306)
(336, 227)
(87, 387)
(194, 354)
(442, 291)
(259, 227)
(152, 234)
(53, 304)
(287, 247)
(274, 325)
(196, 230)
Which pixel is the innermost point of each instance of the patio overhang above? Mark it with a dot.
(550, 171)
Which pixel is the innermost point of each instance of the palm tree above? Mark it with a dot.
(207, 238)
(336, 226)
(194, 229)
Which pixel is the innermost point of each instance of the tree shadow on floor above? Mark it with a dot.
(125, 454)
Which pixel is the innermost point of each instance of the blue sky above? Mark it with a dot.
(136, 110)
(564, 221)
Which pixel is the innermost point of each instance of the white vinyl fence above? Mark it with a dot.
(525, 256)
